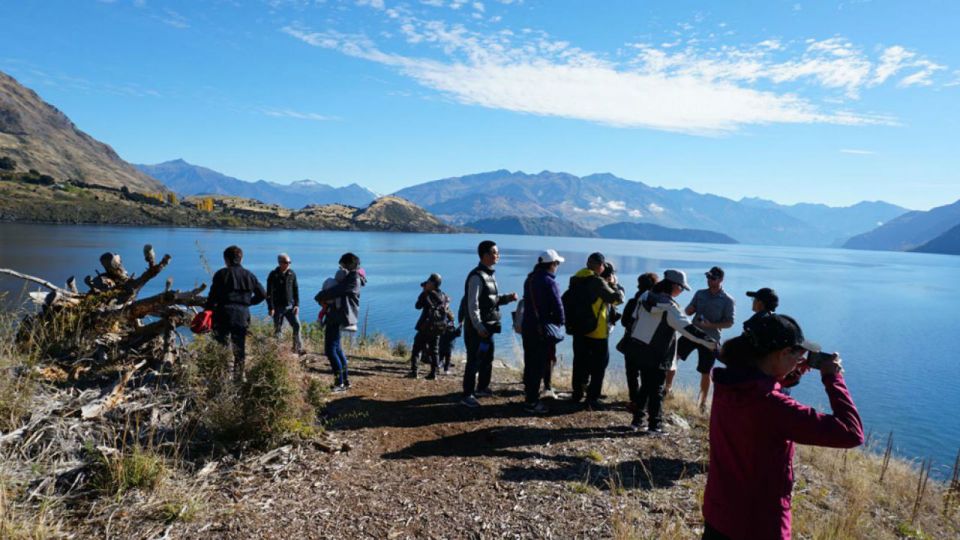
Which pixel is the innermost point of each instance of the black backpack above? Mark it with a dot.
(436, 318)
(580, 317)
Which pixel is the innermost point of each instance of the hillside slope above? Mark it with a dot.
(38, 136)
(910, 230)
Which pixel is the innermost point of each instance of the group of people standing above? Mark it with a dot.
(234, 289)
(754, 423)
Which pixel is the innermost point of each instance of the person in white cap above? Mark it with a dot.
(541, 307)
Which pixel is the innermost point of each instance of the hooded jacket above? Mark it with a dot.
(598, 292)
(348, 313)
(657, 320)
(753, 429)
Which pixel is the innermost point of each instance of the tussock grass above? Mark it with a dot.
(137, 468)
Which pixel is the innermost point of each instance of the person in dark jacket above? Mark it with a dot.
(480, 312)
(645, 282)
(541, 305)
(283, 299)
(651, 346)
(591, 352)
(754, 427)
(343, 313)
(450, 335)
(434, 306)
(765, 302)
(233, 290)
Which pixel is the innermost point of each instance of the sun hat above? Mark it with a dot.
(678, 277)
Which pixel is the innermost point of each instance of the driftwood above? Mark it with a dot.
(109, 322)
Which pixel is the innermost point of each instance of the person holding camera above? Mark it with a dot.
(754, 427)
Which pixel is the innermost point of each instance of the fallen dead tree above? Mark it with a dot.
(108, 324)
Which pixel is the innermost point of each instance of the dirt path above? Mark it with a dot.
(422, 466)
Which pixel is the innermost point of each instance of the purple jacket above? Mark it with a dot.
(753, 428)
(541, 288)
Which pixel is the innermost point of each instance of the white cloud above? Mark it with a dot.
(375, 4)
(656, 208)
(288, 113)
(857, 152)
(174, 19)
(707, 92)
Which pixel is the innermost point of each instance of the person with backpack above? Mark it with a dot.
(541, 307)
(585, 304)
(650, 346)
(343, 312)
(434, 306)
(754, 429)
(645, 282)
(480, 311)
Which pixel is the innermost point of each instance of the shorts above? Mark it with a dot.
(705, 357)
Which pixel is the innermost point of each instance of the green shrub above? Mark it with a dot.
(136, 468)
(400, 349)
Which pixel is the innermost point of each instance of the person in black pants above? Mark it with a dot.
(480, 313)
(434, 306)
(283, 300)
(651, 345)
(589, 298)
(645, 282)
(233, 290)
(541, 306)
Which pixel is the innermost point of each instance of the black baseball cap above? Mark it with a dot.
(766, 295)
(776, 332)
(434, 278)
(715, 272)
(596, 257)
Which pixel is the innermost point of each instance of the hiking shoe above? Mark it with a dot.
(595, 405)
(536, 408)
(431, 376)
(548, 394)
(636, 426)
(576, 397)
(470, 401)
(486, 392)
(656, 430)
(446, 371)
(411, 375)
(339, 389)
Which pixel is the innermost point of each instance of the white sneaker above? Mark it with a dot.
(548, 394)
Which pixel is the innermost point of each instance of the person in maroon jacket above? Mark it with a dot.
(753, 429)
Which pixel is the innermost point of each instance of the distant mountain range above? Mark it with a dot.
(535, 226)
(947, 243)
(188, 179)
(917, 230)
(649, 231)
(601, 199)
(35, 135)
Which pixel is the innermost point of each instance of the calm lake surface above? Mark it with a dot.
(892, 316)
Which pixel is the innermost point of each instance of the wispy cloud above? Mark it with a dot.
(172, 18)
(672, 87)
(298, 115)
(857, 152)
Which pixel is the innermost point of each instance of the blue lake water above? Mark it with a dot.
(892, 316)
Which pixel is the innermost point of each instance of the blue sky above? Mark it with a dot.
(831, 102)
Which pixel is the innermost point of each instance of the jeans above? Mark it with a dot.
(425, 344)
(536, 358)
(590, 359)
(238, 339)
(287, 313)
(334, 352)
(479, 368)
